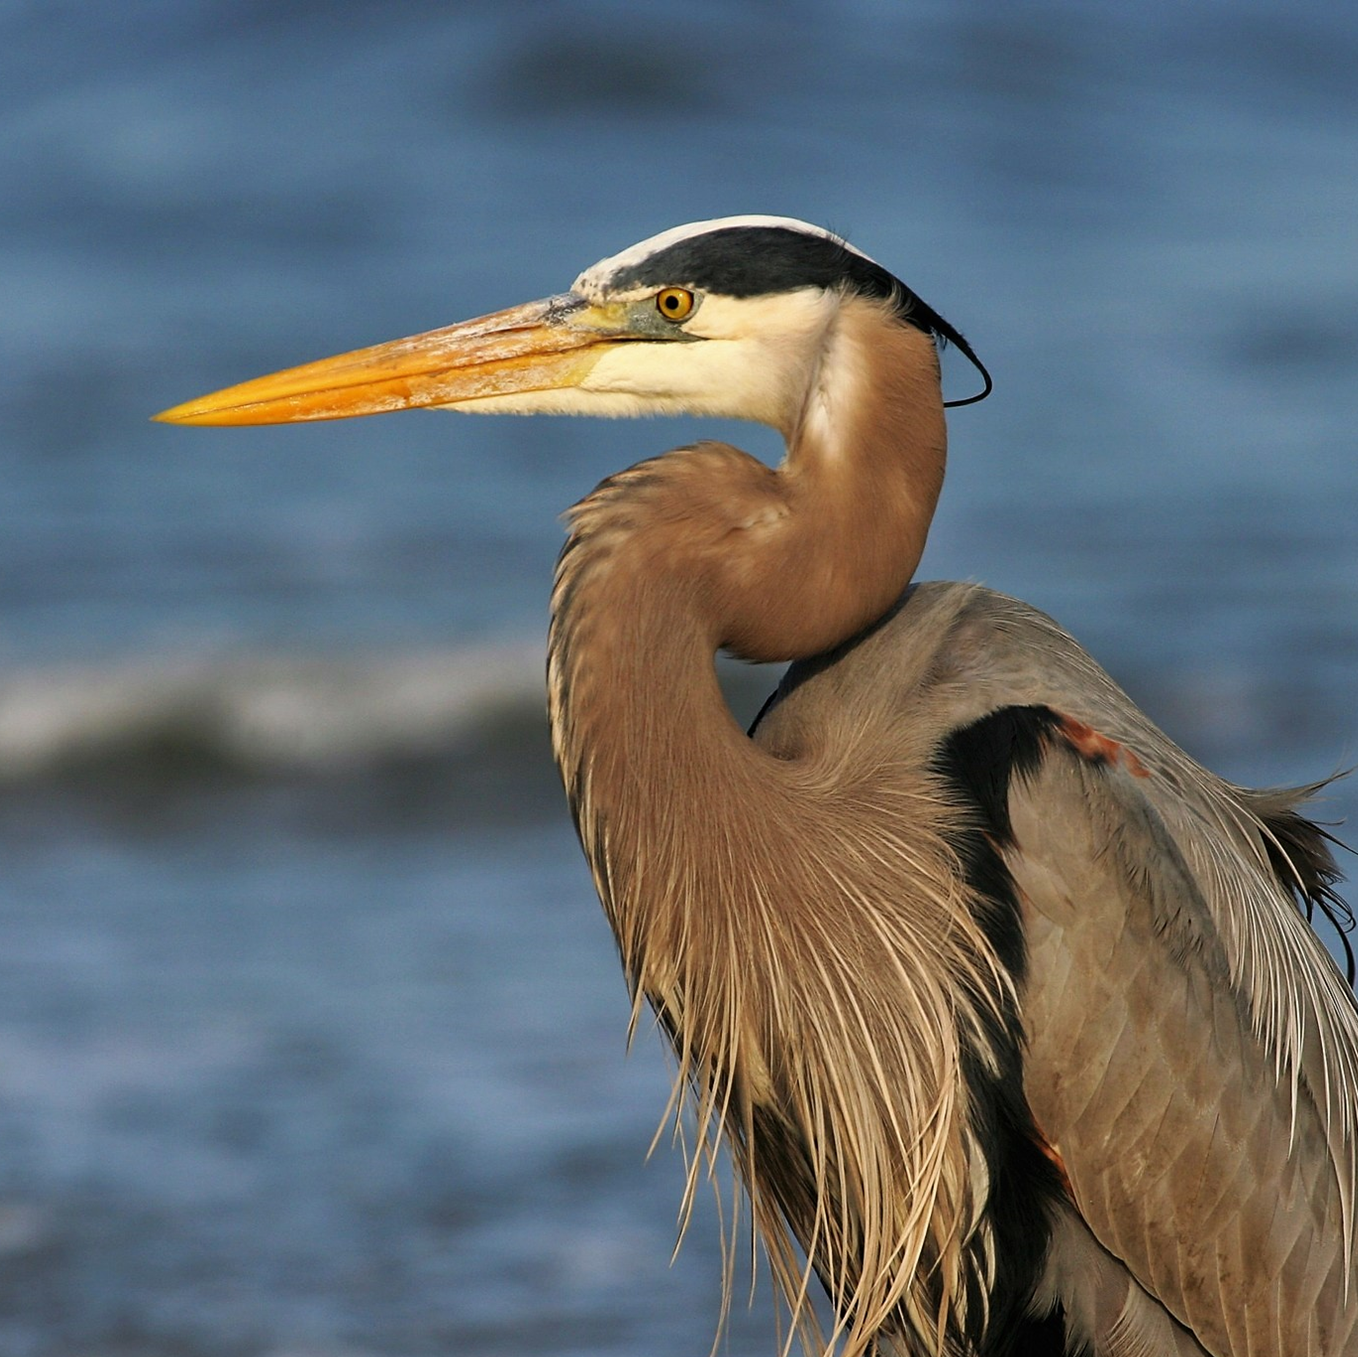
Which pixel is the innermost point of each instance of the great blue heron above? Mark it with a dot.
(1005, 1008)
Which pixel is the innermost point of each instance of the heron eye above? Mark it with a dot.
(674, 303)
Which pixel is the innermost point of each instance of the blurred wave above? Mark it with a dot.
(264, 714)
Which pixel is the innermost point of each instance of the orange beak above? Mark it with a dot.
(533, 347)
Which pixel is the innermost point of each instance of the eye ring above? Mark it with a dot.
(675, 303)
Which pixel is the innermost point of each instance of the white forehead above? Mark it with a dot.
(643, 249)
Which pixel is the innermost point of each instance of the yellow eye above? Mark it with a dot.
(674, 303)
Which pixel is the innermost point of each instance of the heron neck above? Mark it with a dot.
(737, 881)
(642, 735)
(862, 475)
(707, 548)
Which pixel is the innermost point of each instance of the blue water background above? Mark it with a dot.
(311, 1033)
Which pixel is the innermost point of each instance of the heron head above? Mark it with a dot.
(727, 317)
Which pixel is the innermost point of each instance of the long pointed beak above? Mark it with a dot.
(533, 347)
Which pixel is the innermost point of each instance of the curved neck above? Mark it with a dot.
(707, 548)
(736, 882)
(854, 497)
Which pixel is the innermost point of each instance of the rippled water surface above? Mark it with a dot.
(311, 1032)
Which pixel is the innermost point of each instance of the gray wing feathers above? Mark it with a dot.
(1193, 1048)
(1298, 1003)
(1106, 1309)
(1187, 1155)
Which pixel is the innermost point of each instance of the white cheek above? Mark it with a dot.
(800, 317)
(748, 359)
(737, 378)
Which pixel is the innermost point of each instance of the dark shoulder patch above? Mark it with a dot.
(982, 758)
(979, 763)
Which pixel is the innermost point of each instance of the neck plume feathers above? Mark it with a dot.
(756, 900)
